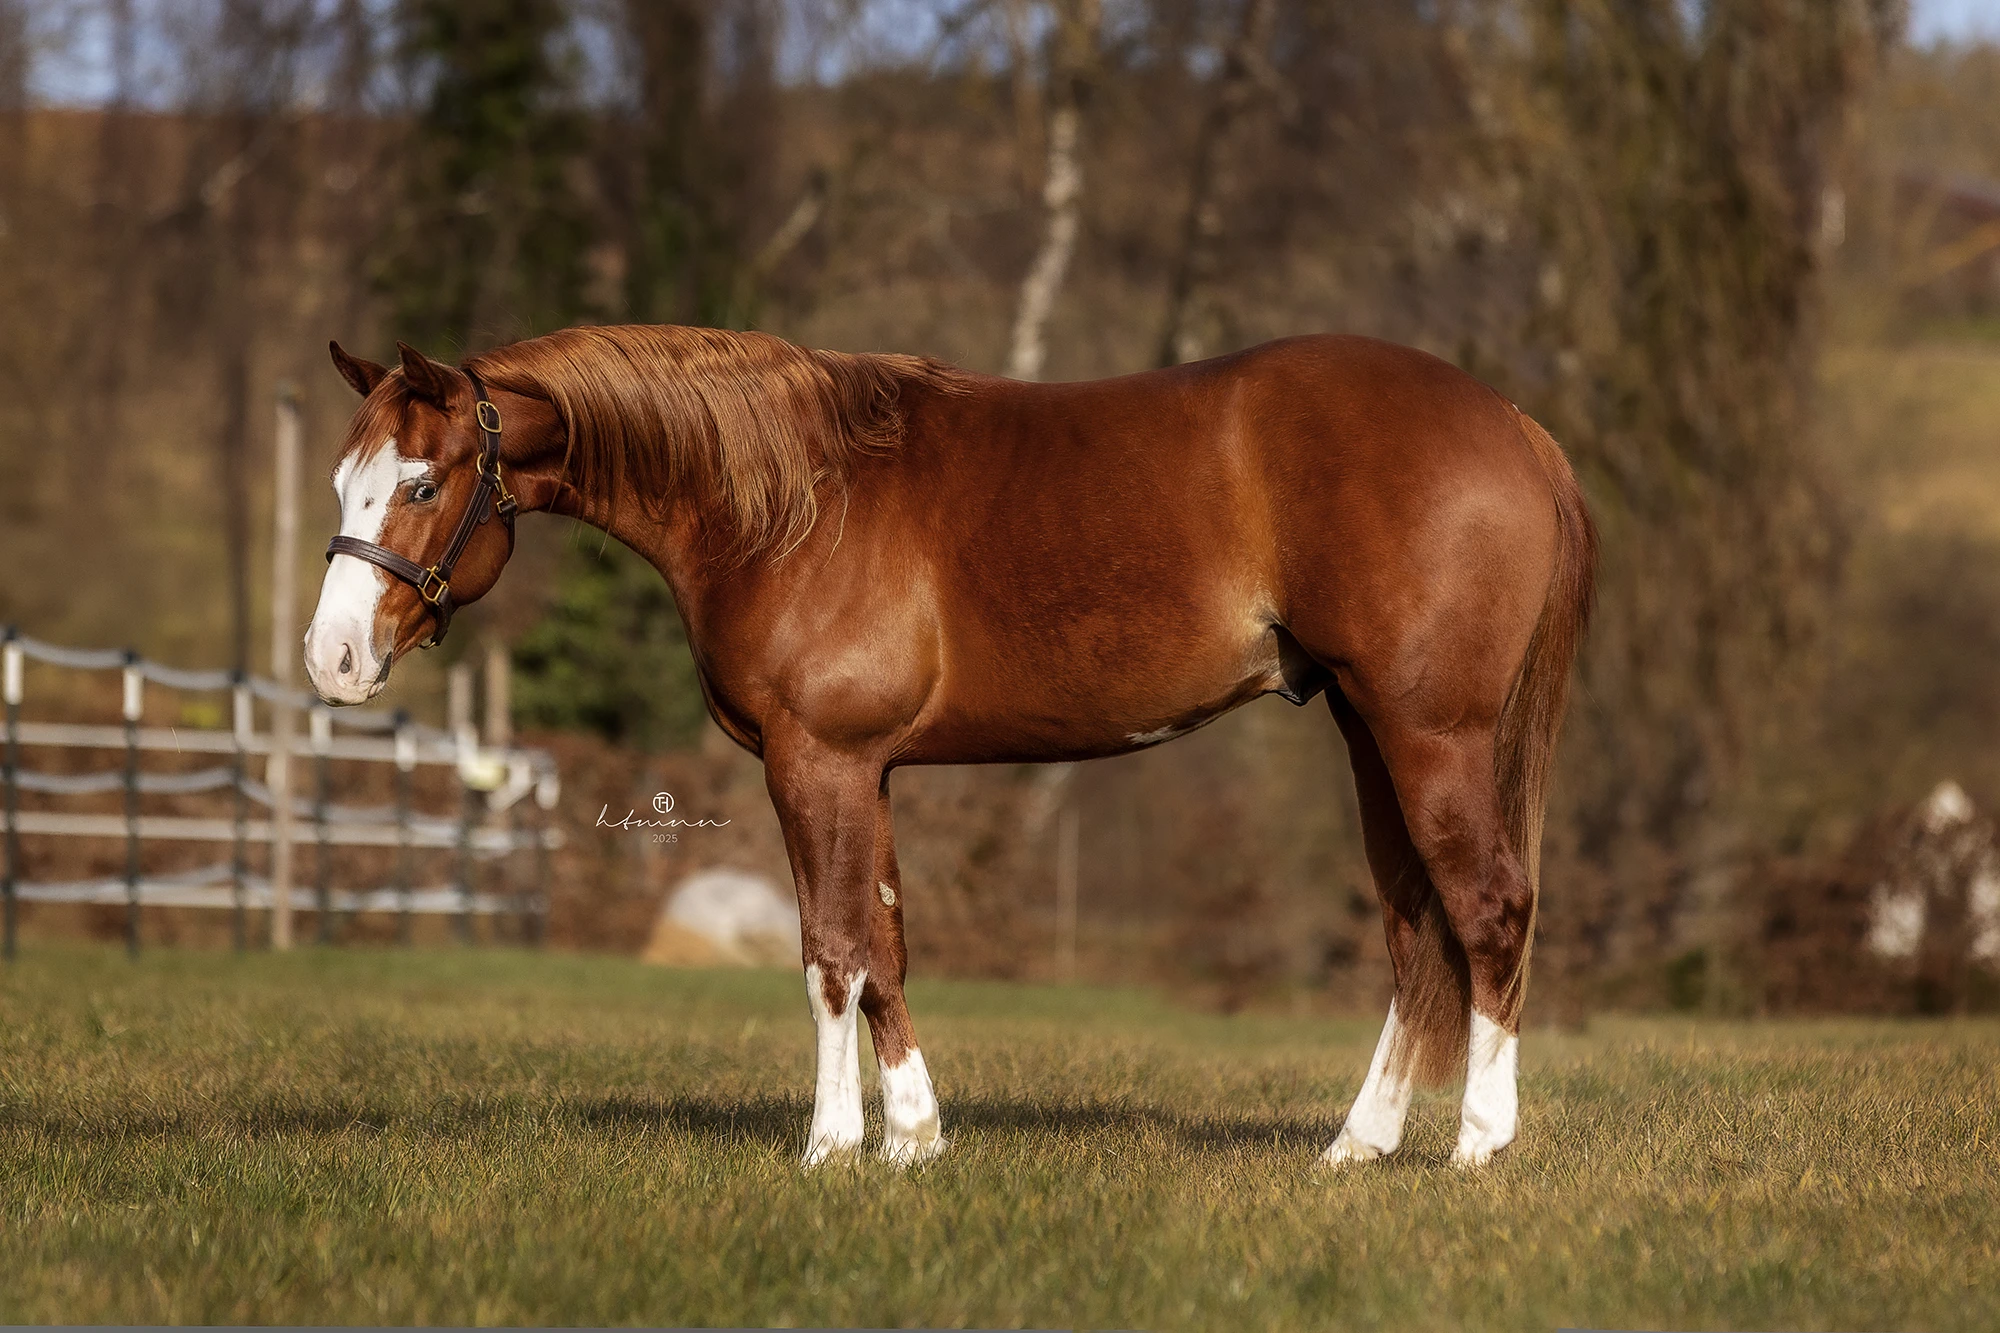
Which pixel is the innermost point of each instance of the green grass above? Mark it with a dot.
(483, 1137)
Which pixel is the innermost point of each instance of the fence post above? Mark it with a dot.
(242, 724)
(278, 777)
(406, 764)
(499, 736)
(135, 701)
(514, 890)
(284, 649)
(1066, 838)
(468, 806)
(319, 726)
(458, 712)
(10, 695)
(548, 790)
(458, 700)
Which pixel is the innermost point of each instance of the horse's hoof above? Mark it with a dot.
(1471, 1154)
(824, 1151)
(1347, 1150)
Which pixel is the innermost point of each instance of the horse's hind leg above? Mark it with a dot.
(1374, 1125)
(1449, 798)
(909, 1106)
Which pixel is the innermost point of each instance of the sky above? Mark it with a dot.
(1934, 20)
(74, 70)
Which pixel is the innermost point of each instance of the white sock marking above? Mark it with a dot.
(836, 1118)
(1488, 1119)
(909, 1112)
(1375, 1122)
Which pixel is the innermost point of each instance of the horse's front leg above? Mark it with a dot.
(910, 1131)
(826, 800)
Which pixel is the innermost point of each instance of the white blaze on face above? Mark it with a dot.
(836, 1121)
(1487, 1120)
(1374, 1125)
(343, 660)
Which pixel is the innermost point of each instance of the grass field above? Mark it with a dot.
(483, 1137)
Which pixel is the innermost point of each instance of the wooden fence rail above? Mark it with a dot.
(492, 781)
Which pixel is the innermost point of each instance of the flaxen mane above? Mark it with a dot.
(746, 422)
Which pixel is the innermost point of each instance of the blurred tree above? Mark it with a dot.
(1680, 163)
(610, 656)
(691, 155)
(15, 55)
(1245, 74)
(493, 236)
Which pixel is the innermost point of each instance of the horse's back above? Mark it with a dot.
(1257, 460)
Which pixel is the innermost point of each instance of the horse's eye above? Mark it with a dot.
(423, 492)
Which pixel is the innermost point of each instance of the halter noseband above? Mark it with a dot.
(433, 585)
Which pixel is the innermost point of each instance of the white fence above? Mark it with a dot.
(493, 821)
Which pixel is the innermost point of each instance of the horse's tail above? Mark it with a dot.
(1524, 742)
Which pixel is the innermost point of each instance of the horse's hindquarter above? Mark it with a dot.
(1113, 557)
(1414, 529)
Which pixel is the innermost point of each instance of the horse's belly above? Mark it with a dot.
(1082, 701)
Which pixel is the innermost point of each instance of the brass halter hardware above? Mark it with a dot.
(433, 584)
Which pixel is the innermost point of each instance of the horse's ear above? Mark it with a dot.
(429, 380)
(363, 375)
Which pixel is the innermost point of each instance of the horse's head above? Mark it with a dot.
(426, 519)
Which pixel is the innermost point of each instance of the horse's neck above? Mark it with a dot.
(670, 543)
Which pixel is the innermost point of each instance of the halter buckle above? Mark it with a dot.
(505, 505)
(488, 416)
(443, 582)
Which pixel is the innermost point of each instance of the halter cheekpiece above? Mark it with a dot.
(434, 584)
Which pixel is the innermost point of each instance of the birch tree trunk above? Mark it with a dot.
(1075, 58)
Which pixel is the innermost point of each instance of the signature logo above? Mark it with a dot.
(663, 805)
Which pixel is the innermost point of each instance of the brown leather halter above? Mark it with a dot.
(434, 584)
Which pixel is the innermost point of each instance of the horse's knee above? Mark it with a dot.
(838, 964)
(835, 930)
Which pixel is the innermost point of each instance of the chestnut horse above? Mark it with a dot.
(882, 560)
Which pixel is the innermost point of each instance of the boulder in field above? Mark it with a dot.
(726, 918)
